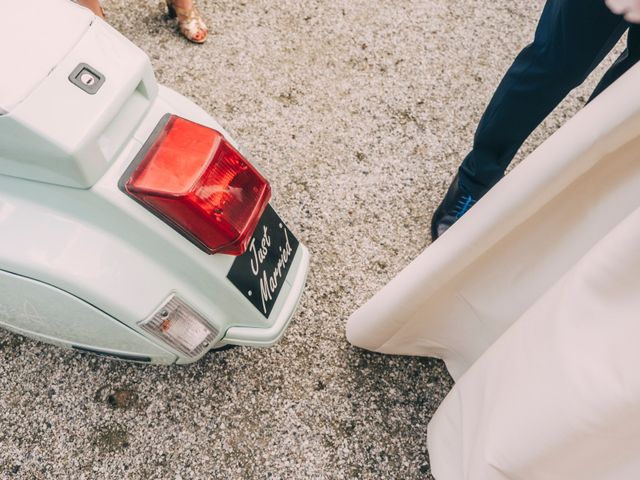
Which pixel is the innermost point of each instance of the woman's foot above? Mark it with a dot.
(190, 22)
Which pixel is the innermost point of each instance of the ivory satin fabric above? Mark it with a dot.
(533, 301)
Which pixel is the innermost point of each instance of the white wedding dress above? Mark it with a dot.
(532, 300)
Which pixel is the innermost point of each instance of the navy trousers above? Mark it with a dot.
(572, 38)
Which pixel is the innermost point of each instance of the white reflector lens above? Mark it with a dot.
(180, 326)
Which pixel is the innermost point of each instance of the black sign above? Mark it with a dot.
(259, 273)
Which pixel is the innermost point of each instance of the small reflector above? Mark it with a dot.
(180, 326)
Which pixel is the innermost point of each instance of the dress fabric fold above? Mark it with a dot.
(532, 300)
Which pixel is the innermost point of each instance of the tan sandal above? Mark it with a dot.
(190, 22)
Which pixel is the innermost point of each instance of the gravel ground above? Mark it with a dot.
(359, 112)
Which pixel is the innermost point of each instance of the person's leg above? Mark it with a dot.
(572, 37)
(625, 61)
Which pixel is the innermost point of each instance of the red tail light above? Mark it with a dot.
(192, 178)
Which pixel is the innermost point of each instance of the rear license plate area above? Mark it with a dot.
(260, 272)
